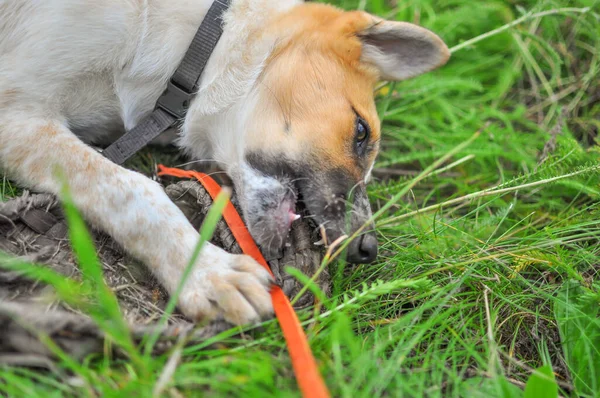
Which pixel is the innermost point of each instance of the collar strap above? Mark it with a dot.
(181, 88)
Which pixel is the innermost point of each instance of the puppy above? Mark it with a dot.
(285, 106)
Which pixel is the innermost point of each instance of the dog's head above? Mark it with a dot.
(311, 130)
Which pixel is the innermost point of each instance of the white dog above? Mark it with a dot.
(285, 106)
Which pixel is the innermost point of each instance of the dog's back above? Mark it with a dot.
(93, 62)
(51, 49)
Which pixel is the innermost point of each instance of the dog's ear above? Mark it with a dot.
(401, 50)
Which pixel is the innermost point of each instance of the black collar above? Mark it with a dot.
(181, 88)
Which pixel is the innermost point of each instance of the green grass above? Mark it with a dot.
(490, 260)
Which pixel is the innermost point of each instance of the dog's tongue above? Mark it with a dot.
(293, 216)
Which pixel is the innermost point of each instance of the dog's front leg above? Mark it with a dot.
(137, 213)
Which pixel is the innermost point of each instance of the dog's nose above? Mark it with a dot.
(362, 250)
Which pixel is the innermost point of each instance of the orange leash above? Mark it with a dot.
(309, 379)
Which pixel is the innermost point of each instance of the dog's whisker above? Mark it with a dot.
(294, 194)
(299, 179)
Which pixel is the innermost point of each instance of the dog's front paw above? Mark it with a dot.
(235, 289)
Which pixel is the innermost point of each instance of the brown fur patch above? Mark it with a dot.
(8, 96)
(48, 130)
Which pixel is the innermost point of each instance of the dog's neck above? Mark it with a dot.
(240, 53)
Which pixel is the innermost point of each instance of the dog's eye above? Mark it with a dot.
(362, 131)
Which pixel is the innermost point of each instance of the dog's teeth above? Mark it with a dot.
(319, 243)
(294, 217)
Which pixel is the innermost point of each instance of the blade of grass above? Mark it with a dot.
(206, 232)
(107, 312)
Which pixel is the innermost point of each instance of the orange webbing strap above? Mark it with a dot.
(309, 379)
